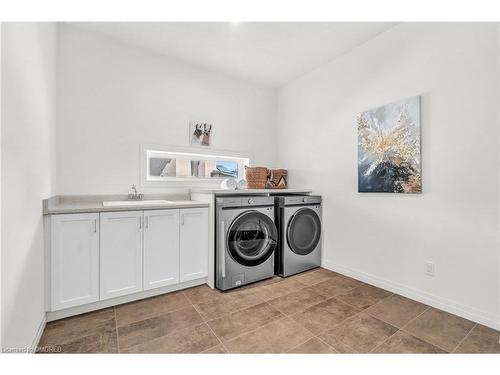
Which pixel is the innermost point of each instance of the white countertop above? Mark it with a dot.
(88, 204)
(252, 191)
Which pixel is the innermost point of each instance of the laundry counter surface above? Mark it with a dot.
(265, 192)
(94, 203)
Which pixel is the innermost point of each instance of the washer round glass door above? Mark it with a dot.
(304, 231)
(252, 238)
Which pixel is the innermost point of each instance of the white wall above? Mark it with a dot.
(27, 149)
(386, 238)
(1, 289)
(112, 98)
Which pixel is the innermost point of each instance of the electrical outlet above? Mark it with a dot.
(430, 269)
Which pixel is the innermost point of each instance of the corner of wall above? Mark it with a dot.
(498, 168)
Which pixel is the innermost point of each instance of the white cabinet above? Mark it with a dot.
(193, 243)
(74, 260)
(161, 248)
(96, 257)
(121, 253)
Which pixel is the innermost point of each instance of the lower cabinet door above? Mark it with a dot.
(121, 253)
(74, 260)
(193, 247)
(161, 248)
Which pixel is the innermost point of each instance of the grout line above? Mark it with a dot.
(146, 301)
(461, 341)
(359, 312)
(208, 325)
(217, 337)
(412, 320)
(313, 336)
(383, 342)
(233, 311)
(403, 328)
(257, 328)
(302, 343)
(330, 346)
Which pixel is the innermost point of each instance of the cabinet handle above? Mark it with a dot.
(223, 250)
(140, 222)
(95, 225)
(147, 221)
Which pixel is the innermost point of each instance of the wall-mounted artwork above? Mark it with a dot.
(200, 134)
(389, 148)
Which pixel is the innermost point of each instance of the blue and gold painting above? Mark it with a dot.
(389, 159)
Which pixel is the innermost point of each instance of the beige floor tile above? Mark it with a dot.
(402, 342)
(364, 296)
(313, 346)
(202, 293)
(480, 340)
(66, 330)
(297, 301)
(336, 285)
(150, 307)
(192, 339)
(276, 337)
(278, 289)
(396, 310)
(235, 324)
(149, 329)
(314, 276)
(252, 320)
(229, 303)
(440, 328)
(259, 284)
(362, 333)
(218, 349)
(103, 341)
(217, 307)
(325, 315)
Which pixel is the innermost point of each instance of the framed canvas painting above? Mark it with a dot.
(389, 159)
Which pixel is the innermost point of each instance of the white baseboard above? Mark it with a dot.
(38, 335)
(60, 314)
(440, 303)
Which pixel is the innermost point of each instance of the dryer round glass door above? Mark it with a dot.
(304, 231)
(252, 238)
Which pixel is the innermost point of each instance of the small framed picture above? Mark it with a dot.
(200, 134)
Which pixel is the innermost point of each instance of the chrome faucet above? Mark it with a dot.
(135, 196)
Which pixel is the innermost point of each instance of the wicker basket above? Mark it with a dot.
(256, 177)
(277, 179)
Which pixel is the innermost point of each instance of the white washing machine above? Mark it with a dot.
(246, 238)
(299, 226)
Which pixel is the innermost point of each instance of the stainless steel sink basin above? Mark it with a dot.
(153, 202)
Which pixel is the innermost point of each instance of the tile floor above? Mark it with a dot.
(318, 311)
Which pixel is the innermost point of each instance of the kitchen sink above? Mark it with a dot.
(153, 202)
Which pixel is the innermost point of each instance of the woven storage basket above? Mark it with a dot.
(277, 179)
(256, 177)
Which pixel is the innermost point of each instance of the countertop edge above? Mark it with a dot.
(251, 191)
(76, 210)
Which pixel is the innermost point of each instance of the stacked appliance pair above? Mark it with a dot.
(260, 236)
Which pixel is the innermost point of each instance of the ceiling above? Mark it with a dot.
(268, 53)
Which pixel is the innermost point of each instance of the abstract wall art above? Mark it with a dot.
(389, 159)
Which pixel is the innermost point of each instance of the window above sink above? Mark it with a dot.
(171, 164)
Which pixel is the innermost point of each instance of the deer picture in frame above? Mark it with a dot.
(200, 134)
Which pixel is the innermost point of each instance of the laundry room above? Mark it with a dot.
(250, 187)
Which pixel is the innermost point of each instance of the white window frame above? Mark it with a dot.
(148, 150)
